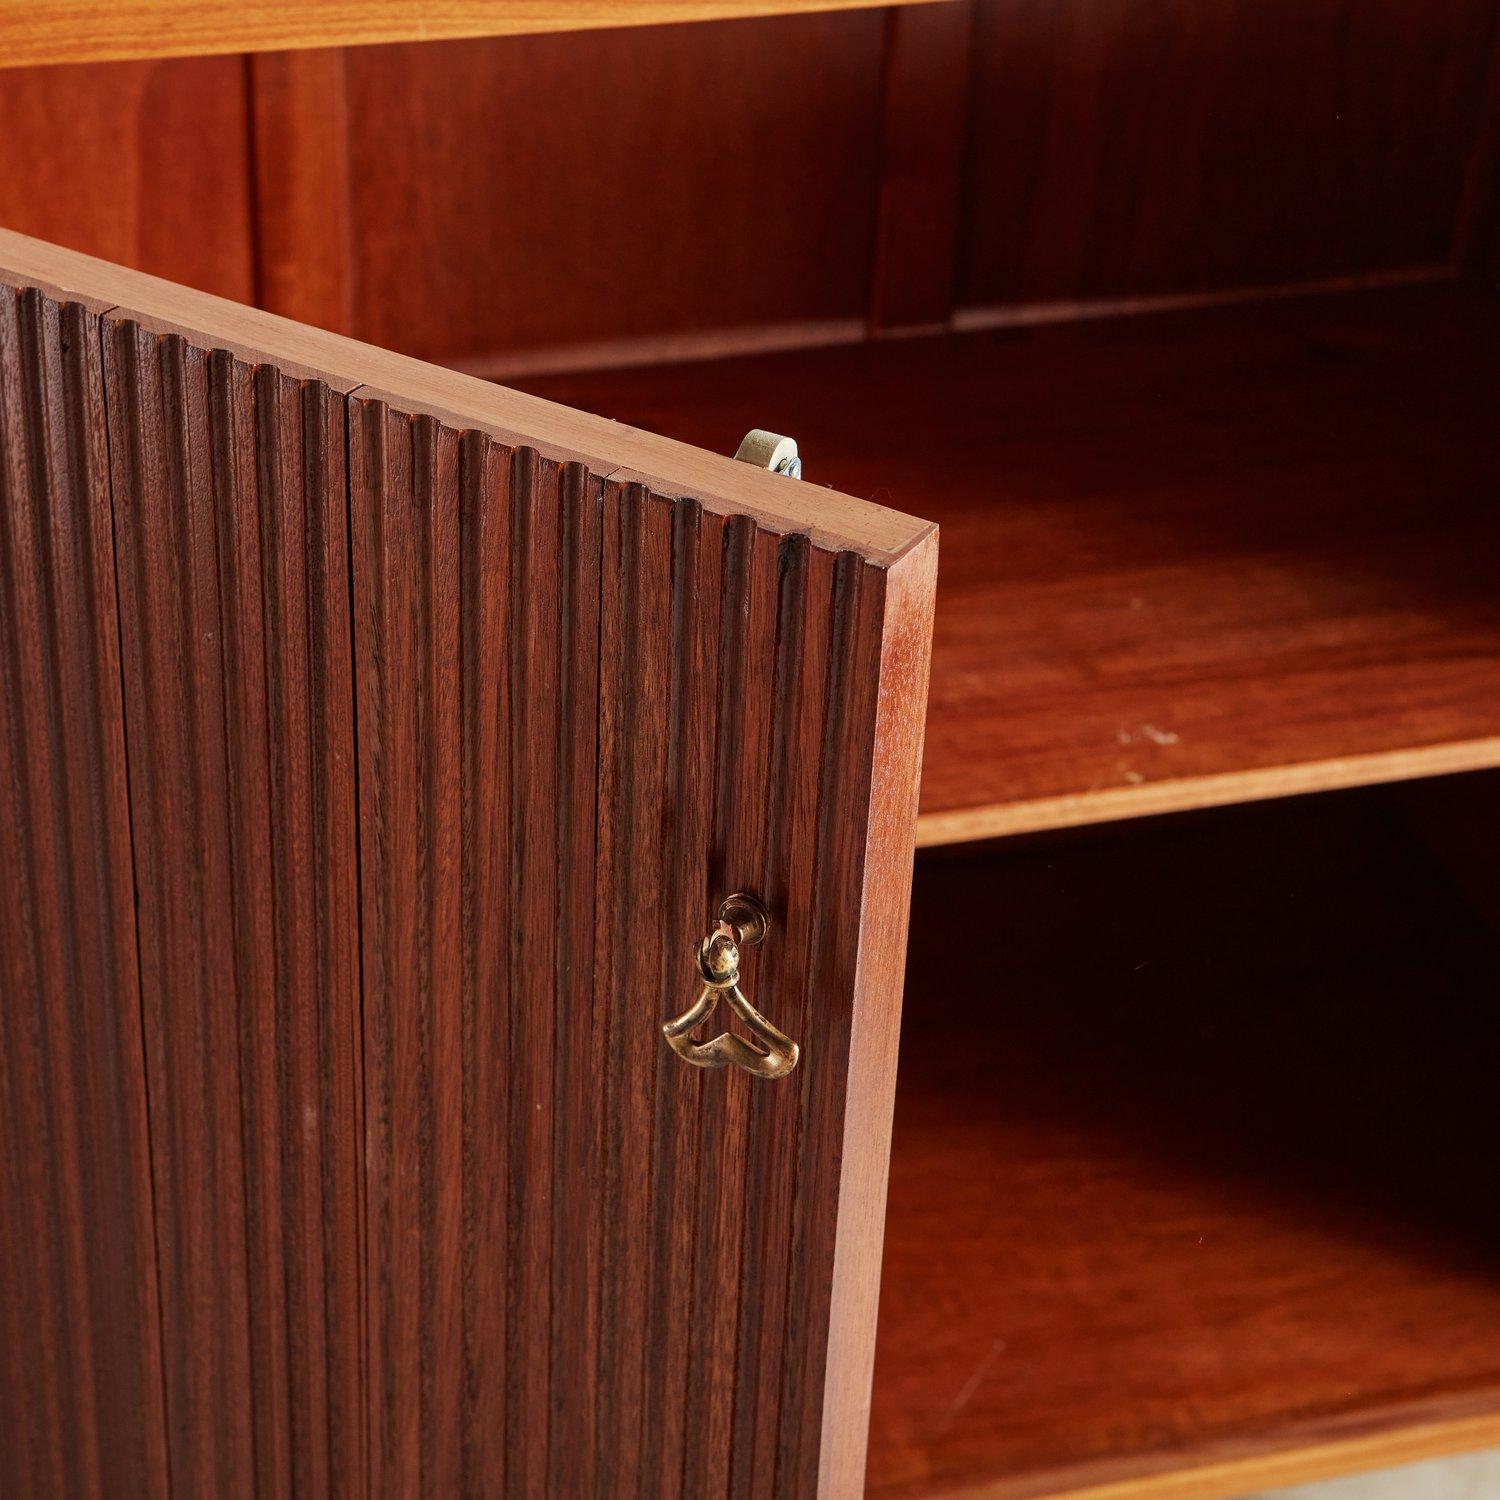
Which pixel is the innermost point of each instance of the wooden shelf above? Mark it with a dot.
(1188, 558)
(1183, 1226)
(71, 31)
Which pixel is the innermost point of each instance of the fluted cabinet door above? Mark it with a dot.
(380, 748)
(232, 561)
(80, 1354)
(589, 709)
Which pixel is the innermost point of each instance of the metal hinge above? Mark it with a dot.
(769, 450)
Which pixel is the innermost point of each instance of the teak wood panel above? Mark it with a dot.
(228, 484)
(924, 119)
(724, 486)
(444, 1208)
(80, 1372)
(587, 712)
(843, 173)
(1120, 150)
(144, 163)
(724, 181)
(304, 249)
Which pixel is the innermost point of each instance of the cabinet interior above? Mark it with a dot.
(1194, 1135)
(1187, 558)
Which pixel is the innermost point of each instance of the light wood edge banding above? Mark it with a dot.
(1224, 1478)
(71, 31)
(999, 820)
(611, 449)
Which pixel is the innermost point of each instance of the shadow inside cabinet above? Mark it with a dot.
(1195, 1143)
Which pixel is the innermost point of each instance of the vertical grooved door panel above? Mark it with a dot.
(588, 711)
(377, 748)
(229, 497)
(80, 1373)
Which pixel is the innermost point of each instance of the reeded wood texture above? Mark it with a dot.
(229, 499)
(145, 163)
(587, 711)
(724, 486)
(1206, 1185)
(51, 31)
(80, 1372)
(1193, 558)
(1121, 150)
(590, 702)
(724, 181)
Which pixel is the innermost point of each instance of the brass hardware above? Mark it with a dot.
(743, 919)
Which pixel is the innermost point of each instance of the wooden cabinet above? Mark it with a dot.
(379, 748)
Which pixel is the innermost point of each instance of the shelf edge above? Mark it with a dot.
(1000, 820)
(74, 31)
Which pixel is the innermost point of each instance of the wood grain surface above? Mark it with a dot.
(845, 172)
(53, 31)
(1477, 238)
(588, 710)
(539, 217)
(924, 120)
(142, 163)
(1163, 1212)
(80, 1373)
(433, 1206)
(304, 242)
(1121, 150)
(228, 486)
(1191, 558)
(724, 486)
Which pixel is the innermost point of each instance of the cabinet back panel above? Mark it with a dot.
(1120, 149)
(613, 185)
(142, 163)
(525, 203)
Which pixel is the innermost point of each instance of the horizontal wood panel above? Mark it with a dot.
(142, 163)
(1127, 149)
(1332, 1449)
(1189, 558)
(53, 31)
(528, 194)
(1163, 1214)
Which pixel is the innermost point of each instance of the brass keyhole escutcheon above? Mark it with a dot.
(743, 921)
